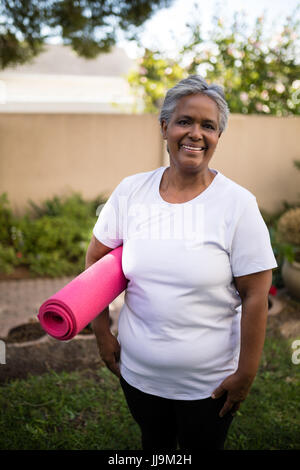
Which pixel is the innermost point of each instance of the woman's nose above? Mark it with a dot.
(195, 132)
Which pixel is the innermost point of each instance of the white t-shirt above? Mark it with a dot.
(180, 323)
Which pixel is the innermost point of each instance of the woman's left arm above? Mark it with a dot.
(253, 290)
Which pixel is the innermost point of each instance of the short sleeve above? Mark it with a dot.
(251, 249)
(108, 228)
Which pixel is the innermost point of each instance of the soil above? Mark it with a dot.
(33, 331)
(30, 351)
(49, 354)
(23, 333)
(287, 322)
(20, 272)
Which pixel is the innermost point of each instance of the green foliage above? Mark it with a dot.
(288, 234)
(51, 239)
(154, 75)
(8, 259)
(54, 245)
(288, 227)
(8, 254)
(260, 75)
(66, 411)
(72, 206)
(6, 219)
(89, 27)
(282, 248)
(268, 419)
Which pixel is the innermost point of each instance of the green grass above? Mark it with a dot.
(87, 410)
(269, 419)
(67, 411)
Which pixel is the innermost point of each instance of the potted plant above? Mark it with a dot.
(288, 234)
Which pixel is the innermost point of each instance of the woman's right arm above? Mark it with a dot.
(108, 344)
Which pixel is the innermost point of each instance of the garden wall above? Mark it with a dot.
(42, 155)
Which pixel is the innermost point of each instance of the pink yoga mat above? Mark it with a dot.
(73, 307)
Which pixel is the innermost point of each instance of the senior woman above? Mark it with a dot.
(195, 250)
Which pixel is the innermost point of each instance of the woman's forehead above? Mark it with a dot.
(197, 105)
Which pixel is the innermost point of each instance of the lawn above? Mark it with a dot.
(86, 409)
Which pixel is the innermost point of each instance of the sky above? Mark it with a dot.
(167, 26)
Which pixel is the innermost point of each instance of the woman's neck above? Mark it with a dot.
(188, 181)
(177, 186)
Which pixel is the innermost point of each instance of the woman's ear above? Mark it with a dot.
(164, 129)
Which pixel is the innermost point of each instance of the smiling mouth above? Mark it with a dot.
(192, 149)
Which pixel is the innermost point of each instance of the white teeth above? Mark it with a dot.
(193, 148)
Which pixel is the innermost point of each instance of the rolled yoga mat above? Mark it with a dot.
(73, 307)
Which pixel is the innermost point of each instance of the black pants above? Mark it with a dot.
(166, 423)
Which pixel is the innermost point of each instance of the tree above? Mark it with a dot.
(152, 78)
(259, 75)
(88, 26)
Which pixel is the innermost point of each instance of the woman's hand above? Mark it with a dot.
(108, 345)
(237, 388)
(109, 349)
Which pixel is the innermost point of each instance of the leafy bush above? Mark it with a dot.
(72, 206)
(8, 259)
(6, 219)
(288, 233)
(282, 247)
(53, 264)
(288, 228)
(51, 239)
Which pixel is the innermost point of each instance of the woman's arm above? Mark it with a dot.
(108, 344)
(253, 290)
(95, 251)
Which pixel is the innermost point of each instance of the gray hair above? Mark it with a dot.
(190, 86)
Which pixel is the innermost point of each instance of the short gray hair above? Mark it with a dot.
(192, 85)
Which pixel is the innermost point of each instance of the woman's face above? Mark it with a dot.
(192, 133)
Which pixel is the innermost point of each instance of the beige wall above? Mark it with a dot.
(46, 154)
(42, 155)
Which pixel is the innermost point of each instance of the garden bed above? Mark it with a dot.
(32, 331)
(46, 353)
(31, 351)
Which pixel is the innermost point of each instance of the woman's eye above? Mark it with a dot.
(182, 122)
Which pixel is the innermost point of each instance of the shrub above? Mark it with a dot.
(288, 229)
(51, 239)
(8, 259)
(72, 206)
(53, 264)
(6, 219)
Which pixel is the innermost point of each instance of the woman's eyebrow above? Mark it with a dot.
(185, 116)
(210, 121)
